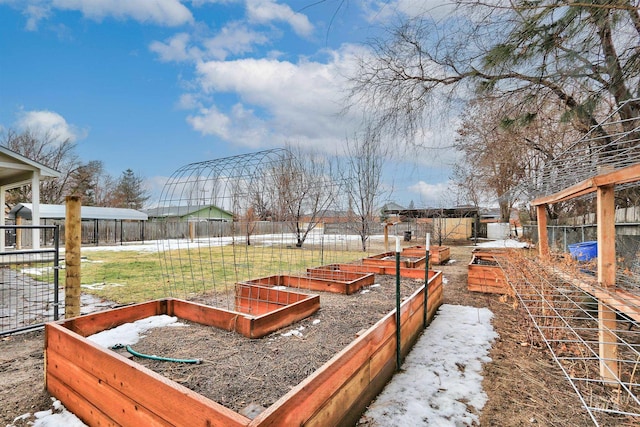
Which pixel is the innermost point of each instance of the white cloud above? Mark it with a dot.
(234, 39)
(175, 49)
(35, 13)
(51, 123)
(278, 101)
(382, 10)
(433, 195)
(161, 12)
(210, 121)
(267, 11)
(189, 101)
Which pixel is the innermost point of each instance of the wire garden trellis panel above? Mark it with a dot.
(589, 322)
(564, 310)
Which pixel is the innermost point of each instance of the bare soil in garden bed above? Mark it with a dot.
(524, 385)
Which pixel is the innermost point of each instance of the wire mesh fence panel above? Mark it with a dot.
(29, 288)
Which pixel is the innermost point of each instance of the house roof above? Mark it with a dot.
(16, 170)
(180, 211)
(24, 210)
(392, 207)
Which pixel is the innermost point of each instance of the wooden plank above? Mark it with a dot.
(269, 294)
(385, 353)
(333, 409)
(620, 176)
(267, 281)
(204, 315)
(96, 322)
(616, 298)
(114, 405)
(169, 400)
(76, 404)
(277, 319)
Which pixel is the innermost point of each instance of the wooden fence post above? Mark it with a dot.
(607, 278)
(543, 238)
(72, 236)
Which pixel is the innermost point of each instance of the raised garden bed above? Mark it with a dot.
(484, 273)
(388, 259)
(438, 255)
(104, 388)
(317, 279)
(406, 273)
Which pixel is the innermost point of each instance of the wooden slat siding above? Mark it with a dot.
(204, 315)
(263, 325)
(175, 403)
(78, 405)
(115, 405)
(90, 324)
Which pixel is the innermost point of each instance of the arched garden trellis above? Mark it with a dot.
(246, 217)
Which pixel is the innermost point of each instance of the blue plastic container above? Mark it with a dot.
(584, 251)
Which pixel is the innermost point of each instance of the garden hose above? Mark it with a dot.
(159, 358)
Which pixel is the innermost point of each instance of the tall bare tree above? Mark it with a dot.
(49, 150)
(304, 190)
(507, 141)
(361, 175)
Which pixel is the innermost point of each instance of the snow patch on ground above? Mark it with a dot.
(130, 333)
(508, 243)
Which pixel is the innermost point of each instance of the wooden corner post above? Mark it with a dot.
(72, 257)
(543, 238)
(608, 344)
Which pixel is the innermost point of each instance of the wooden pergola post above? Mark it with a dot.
(72, 244)
(608, 347)
(543, 238)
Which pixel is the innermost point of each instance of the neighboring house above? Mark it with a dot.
(189, 213)
(17, 171)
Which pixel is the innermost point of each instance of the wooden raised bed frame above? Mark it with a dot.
(486, 278)
(438, 255)
(316, 279)
(104, 388)
(407, 273)
(388, 259)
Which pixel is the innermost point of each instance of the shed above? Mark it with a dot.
(95, 214)
(17, 171)
(24, 210)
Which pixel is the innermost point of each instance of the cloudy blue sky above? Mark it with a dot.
(153, 85)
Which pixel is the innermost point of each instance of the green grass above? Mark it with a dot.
(129, 276)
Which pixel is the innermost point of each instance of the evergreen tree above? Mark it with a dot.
(130, 191)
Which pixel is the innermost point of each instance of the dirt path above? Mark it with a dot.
(524, 385)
